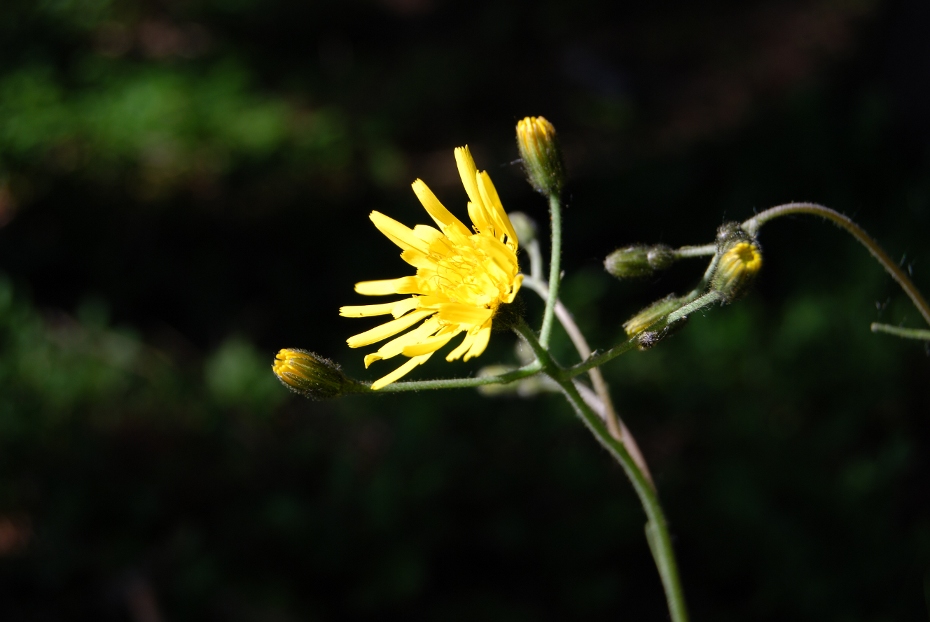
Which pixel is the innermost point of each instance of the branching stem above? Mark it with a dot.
(753, 224)
(657, 535)
(615, 424)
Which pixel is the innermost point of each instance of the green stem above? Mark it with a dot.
(907, 333)
(458, 383)
(682, 312)
(599, 359)
(704, 250)
(555, 269)
(614, 423)
(660, 543)
(753, 224)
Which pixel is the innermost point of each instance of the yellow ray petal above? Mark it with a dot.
(481, 342)
(431, 302)
(501, 254)
(428, 234)
(479, 217)
(467, 170)
(367, 310)
(495, 210)
(387, 329)
(401, 371)
(384, 287)
(462, 348)
(467, 315)
(418, 259)
(432, 344)
(398, 233)
(397, 345)
(437, 210)
(517, 282)
(408, 304)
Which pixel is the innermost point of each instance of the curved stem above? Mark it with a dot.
(660, 543)
(753, 224)
(615, 424)
(555, 269)
(897, 331)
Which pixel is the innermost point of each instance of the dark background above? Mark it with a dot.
(184, 189)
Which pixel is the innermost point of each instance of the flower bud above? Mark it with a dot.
(639, 261)
(542, 158)
(523, 226)
(652, 314)
(739, 263)
(311, 375)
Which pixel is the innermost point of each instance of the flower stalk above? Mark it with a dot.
(657, 534)
(555, 269)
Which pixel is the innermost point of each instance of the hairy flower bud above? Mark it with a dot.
(639, 261)
(651, 314)
(542, 159)
(311, 375)
(740, 259)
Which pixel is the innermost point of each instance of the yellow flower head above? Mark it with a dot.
(310, 374)
(737, 269)
(463, 276)
(539, 150)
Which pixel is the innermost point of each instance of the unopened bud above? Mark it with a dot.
(542, 158)
(739, 263)
(311, 375)
(652, 314)
(523, 226)
(639, 261)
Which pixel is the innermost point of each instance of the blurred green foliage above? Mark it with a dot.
(184, 189)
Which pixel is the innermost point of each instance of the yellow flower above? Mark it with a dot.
(542, 159)
(737, 269)
(463, 276)
(311, 375)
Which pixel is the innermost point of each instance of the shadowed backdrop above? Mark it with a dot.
(184, 189)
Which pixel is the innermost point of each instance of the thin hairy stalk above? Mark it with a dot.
(615, 424)
(657, 536)
(907, 333)
(625, 346)
(597, 359)
(458, 383)
(753, 224)
(704, 250)
(555, 269)
(706, 300)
